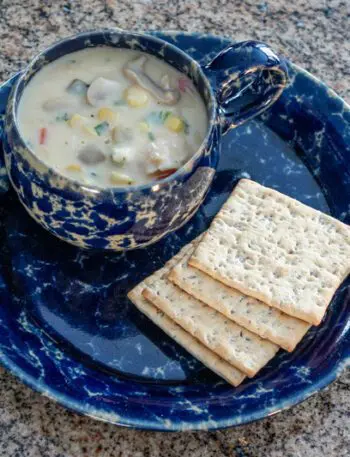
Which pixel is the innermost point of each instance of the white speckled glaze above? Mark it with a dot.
(128, 218)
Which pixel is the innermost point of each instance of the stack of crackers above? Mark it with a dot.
(263, 273)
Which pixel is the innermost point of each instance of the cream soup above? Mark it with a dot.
(112, 117)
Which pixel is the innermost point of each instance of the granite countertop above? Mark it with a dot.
(314, 34)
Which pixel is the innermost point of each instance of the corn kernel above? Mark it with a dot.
(120, 178)
(73, 167)
(76, 121)
(136, 97)
(144, 127)
(174, 123)
(89, 130)
(106, 114)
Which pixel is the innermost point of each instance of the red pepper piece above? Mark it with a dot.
(161, 174)
(183, 84)
(42, 135)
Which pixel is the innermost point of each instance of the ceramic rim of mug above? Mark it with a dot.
(185, 168)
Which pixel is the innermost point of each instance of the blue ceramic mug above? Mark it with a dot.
(246, 78)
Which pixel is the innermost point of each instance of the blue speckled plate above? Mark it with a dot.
(68, 330)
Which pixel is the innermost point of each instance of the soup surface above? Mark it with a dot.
(112, 117)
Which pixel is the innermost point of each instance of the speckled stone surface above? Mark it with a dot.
(312, 33)
(31, 425)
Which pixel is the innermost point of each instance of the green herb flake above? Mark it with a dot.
(164, 115)
(119, 102)
(62, 117)
(121, 162)
(101, 128)
(186, 126)
(158, 117)
(151, 136)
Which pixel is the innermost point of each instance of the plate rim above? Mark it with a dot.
(83, 408)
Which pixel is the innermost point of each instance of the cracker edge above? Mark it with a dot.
(176, 278)
(135, 295)
(194, 347)
(157, 301)
(314, 319)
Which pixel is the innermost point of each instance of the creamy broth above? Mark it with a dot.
(112, 117)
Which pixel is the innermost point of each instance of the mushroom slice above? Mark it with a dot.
(102, 92)
(91, 155)
(135, 72)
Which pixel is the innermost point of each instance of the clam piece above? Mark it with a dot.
(165, 154)
(122, 135)
(102, 92)
(91, 155)
(59, 104)
(135, 72)
(153, 162)
(119, 155)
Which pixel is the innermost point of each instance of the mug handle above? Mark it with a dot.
(248, 78)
